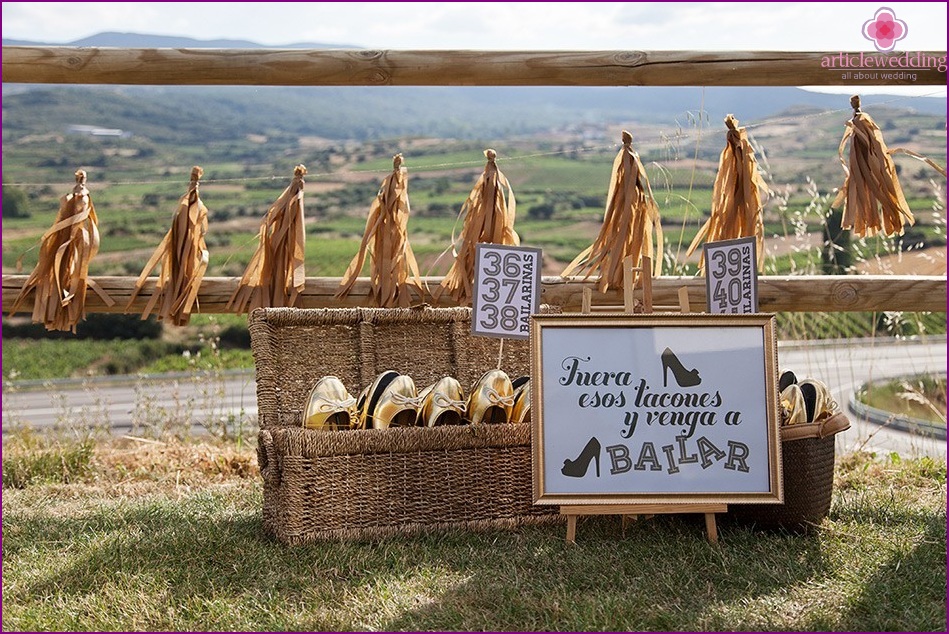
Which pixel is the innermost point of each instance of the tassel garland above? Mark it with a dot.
(275, 274)
(393, 272)
(489, 219)
(871, 192)
(629, 222)
(184, 259)
(736, 195)
(61, 275)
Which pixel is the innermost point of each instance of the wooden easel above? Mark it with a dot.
(634, 511)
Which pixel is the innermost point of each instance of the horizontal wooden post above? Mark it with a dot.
(324, 67)
(775, 293)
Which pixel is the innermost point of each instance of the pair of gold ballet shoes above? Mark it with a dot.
(393, 401)
(806, 401)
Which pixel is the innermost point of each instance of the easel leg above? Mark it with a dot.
(571, 529)
(711, 528)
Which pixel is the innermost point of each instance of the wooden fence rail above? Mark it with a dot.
(776, 293)
(281, 67)
(322, 67)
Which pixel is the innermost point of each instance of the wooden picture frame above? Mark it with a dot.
(655, 409)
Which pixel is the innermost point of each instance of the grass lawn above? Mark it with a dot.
(124, 535)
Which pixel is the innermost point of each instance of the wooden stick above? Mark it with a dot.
(322, 67)
(646, 268)
(795, 293)
(629, 287)
(684, 304)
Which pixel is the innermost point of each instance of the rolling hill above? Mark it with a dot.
(378, 112)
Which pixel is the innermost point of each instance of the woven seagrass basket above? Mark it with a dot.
(808, 462)
(370, 483)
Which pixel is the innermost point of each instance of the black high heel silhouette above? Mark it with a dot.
(578, 468)
(685, 378)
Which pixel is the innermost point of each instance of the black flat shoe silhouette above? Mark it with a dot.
(685, 378)
(578, 468)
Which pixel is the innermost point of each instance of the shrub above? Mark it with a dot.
(50, 465)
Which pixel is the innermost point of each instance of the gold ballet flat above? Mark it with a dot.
(792, 400)
(521, 411)
(361, 406)
(817, 400)
(394, 403)
(491, 399)
(443, 403)
(329, 406)
(368, 398)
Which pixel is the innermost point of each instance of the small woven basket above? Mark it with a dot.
(370, 483)
(808, 466)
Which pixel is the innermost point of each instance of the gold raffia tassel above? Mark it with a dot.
(736, 195)
(871, 190)
(184, 259)
(275, 275)
(489, 219)
(630, 220)
(62, 270)
(393, 271)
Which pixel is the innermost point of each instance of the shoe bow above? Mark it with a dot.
(408, 401)
(328, 406)
(442, 401)
(496, 398)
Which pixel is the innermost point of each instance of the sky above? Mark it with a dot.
(792, 26)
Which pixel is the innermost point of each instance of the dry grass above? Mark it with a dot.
(166, 536)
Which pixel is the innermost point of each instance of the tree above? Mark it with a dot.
(836, 255)
(15, 202)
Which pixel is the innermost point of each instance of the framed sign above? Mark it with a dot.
(506, 290)
(643, 409)
(731, 276)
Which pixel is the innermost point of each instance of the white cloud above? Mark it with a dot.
(487, 25)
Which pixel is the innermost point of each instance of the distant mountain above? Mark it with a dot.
(141, 40)
(373, 112)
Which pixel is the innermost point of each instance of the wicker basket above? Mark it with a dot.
(808, 463)
(370, 483)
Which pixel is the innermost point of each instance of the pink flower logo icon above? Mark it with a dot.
(884, 29)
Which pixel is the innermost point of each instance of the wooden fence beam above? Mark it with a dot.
(828, 293)
(328, 67)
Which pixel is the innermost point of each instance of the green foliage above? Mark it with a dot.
(856, 325)
(27, 359)
(201, 360)
(922, 397)
(101, 326)
(836, 254)
(45, 462)
(15, 202)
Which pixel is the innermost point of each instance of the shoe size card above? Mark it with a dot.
(506, 290)
(731, 276)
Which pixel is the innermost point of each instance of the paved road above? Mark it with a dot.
(130, 405)
(845, 367)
